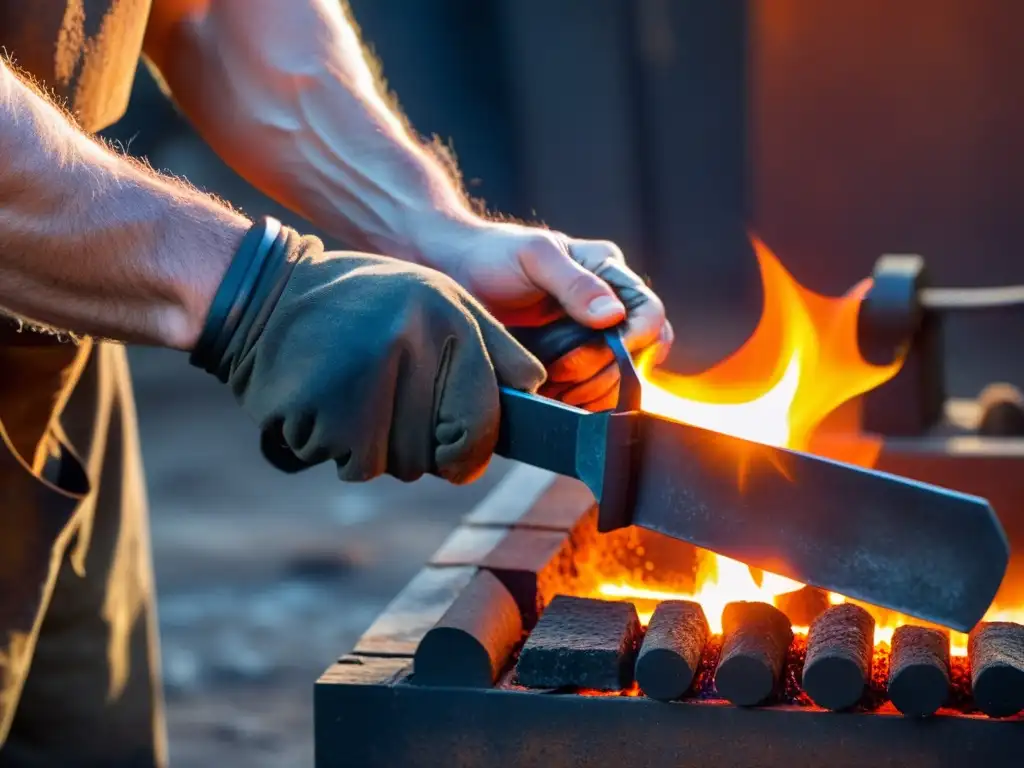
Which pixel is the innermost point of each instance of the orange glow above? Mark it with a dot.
(801, 364)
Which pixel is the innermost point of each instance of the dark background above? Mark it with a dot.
(838, 131)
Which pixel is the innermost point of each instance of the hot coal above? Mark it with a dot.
(840, 647)
(803, 606)
(583, 643)
(473, 640)
(919, 674)
(996, 651)
(755, 640)
(671, 650)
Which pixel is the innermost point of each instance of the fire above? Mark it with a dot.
(801, 364)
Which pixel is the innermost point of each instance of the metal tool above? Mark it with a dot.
(925, 551)
(903, 314)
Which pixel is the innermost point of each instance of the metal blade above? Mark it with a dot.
(935, 554)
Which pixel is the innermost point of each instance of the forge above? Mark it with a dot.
(531, 639)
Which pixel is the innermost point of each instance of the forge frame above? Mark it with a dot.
(368, 713)
(371, 711)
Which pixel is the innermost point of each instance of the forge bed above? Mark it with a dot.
(534, 535)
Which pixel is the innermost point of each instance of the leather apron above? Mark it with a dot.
(77, 629)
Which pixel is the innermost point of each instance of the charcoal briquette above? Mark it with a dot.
(840, 647)
(581, 643)
(671, 650)
(919, 672)
(756, 637)
(996, 651)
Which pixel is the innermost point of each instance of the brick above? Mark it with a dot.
(467, 546)
(533, 565)
(533, 498)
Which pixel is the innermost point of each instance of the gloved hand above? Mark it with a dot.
(374, 363)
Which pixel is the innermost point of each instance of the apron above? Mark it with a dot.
(77, 627)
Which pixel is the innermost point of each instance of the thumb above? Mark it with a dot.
(584, 296)
(514, 365)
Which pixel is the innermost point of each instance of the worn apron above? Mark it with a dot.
(79, 664)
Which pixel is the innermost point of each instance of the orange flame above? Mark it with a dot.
(801, 363)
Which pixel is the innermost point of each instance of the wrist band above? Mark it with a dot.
(232, 296)
(262, 300)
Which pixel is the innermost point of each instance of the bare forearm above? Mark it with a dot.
(299, 114)
(93, 243)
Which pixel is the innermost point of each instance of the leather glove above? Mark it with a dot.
(376, 364)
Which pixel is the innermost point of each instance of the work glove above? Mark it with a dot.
(377, 364)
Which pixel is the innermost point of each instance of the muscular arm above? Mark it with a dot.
(280, 86)
(93, 243)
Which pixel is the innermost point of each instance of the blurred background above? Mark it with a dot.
(837, 131)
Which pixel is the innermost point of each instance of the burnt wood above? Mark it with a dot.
(360, 722)
(996, 650)
(919, 674)
(417, 608)
(472, 642)
(755, 639)
(803, 606)
(840, 647)
(671, 650)
(581, 643)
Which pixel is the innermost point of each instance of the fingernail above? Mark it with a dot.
(604, 307)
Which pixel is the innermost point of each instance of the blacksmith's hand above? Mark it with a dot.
(377, 364)
(529, 276)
